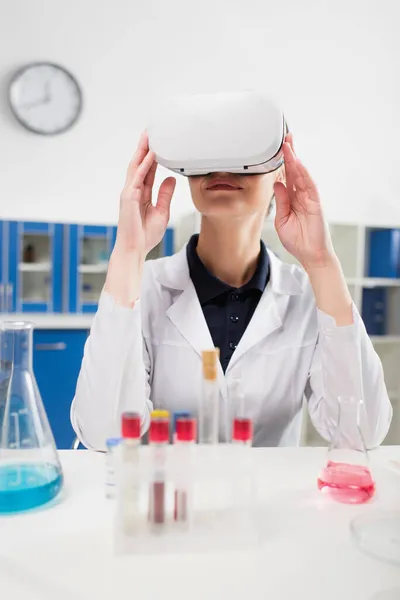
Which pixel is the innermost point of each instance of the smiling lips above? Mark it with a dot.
(222, 184)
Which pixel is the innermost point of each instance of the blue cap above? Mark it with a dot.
(111, 442)
(180, 414)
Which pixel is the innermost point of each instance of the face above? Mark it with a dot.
(232, 195)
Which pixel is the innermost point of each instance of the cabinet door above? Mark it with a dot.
(90, 247)
(34, 266)
(57, 357)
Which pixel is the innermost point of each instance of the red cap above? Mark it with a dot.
(185, 429)
(159, 430)
(131, 425)
(242, 430)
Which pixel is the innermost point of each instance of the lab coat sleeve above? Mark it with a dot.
(346, 364)
(114, 375)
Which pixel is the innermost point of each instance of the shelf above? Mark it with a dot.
(93, 269)
(41, 267)
(35, 300)
(372, 282)
(385, 339)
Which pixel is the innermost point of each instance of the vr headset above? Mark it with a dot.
(237, 132)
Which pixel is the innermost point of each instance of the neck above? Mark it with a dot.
(230, 249)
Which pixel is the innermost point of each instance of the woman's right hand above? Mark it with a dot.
(141, 225)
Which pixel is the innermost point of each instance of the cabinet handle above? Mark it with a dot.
(56, 346)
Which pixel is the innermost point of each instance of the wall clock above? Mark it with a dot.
(45, 98)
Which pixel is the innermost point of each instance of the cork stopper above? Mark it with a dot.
(210, 364)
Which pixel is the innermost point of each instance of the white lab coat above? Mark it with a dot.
(150, 356)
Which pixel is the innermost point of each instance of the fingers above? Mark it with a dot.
(289, 140)
(282, 201)
(141, 152)
(165, 194)
(143, 170)
(290, 167)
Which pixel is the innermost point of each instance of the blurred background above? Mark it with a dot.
(333, 66)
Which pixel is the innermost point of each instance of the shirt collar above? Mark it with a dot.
(208, 286)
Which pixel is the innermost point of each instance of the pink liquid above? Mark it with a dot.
(352, 484)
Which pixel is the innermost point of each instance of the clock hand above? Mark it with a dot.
(47, 91)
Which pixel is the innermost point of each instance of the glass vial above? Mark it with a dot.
(158, 440)
(346, 476)
(209, 402)
(129, 492)
(184, 441)
(111, 447)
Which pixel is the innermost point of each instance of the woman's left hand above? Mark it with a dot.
(299, 218)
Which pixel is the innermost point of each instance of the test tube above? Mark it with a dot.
(178, 415)
(111, 447)
(130, 492)
(242, 431)
(185, 438)
(158, 439)
(209, 403)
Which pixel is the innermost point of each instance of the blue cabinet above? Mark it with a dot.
(89, 248)
(384, 253)
(31, 270)
(53, 268)
(57, 357)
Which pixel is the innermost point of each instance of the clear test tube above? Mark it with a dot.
(185, 439)
(242, 431)
(209, 402)
(111, 447)
(158, 440)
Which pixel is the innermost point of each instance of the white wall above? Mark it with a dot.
(334, 65)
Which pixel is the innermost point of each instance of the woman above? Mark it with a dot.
(284, 332)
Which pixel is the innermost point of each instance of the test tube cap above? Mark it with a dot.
(186, 429)
(159, 427)
(210, 361)
(242, 430)
(159, 414)
(178, 415)
(131, 423)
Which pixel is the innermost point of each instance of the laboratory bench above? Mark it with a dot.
(65, 551)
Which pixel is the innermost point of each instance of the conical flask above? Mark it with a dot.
(346, 476)
(30, 470)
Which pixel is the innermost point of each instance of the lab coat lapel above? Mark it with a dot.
(270, 311)
(185, 312)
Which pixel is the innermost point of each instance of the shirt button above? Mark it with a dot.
(234, 318)
(232, 345)
(234, 296)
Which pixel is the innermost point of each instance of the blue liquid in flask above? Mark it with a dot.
(27, 486)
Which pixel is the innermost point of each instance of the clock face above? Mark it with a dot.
(45, 98)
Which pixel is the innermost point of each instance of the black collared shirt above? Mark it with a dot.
(227, 310)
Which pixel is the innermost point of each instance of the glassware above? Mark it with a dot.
(30, 471)
(378, 535)
(129, 493)
(184, 440)
(158, 441)
(346, 476)
(209, 404)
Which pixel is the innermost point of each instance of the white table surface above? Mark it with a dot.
(65, 552)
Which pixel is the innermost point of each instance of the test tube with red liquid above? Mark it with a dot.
(242, 431)
(158, 440)
(185, 438)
